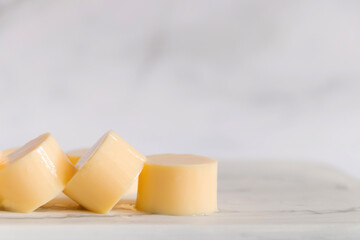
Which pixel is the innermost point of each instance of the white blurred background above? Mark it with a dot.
(227, 79)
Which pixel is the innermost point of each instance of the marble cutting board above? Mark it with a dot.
(256, 200)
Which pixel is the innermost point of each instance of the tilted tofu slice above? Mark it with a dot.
(105, 173)
(75, 155)
(33, 174)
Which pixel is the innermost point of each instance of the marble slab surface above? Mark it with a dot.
(256, 200)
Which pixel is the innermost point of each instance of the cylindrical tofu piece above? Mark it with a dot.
(6, 152)
(33, 174)
(75, 154)
(178, 184)
(105, 173)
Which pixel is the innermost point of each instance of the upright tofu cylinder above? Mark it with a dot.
(33, 174)
(178, 184)
(105, 173)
